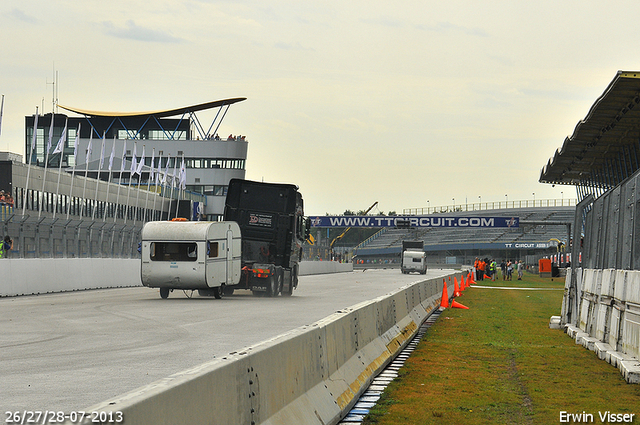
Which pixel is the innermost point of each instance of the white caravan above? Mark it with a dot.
(191, 255)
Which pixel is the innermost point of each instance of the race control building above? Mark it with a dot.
(160, 139)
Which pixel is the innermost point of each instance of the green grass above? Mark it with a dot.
(499, 363)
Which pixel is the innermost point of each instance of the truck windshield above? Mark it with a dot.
(173, 251)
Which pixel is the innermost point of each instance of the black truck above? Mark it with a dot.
(273, 227)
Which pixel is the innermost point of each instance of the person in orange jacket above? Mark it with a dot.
(482, 266)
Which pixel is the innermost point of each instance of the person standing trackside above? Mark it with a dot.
(5, 246)
(483, 266)
(520, 270)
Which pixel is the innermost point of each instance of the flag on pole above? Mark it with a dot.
(50, 135)
(183, 175)
(141, 163)
(102, 153)
(166, 171)
(1, 112)
(35, 135)
(63, 138)
(113, 151)
(86, 160)
(124, 153)
(75, 147)
(151, 170)
(134, 165)
(175, 174)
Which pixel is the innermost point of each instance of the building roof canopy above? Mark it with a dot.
(158, 114)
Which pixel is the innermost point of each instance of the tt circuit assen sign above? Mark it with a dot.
(413, 221)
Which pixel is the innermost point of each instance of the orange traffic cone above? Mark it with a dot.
(456, 289)
(456, 304)
(444, 303)
(473, 282)
(462, 287)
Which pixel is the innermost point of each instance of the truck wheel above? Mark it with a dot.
(164, 293)
(289, 291)
(272, 287)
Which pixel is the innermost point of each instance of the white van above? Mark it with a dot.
(414, 261)
(191, 255)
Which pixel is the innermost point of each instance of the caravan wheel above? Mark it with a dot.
(164, 293)
(217, 292)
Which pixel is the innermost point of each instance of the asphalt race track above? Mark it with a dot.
(69, 351)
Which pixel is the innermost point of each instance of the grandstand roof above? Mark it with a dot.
(159, 114)
(603, 149)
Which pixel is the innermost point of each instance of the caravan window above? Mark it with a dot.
(173, 251)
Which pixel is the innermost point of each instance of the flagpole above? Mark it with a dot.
(146, 201)
(86, 172)
(155, 191)
(1, 113)
(73, 171)
(95, 198)
(60, 148)
(182, 184)
(33, 143)
(173, 182)
(139, 172)
(46, 160)
(113, 149)
(131, 171)
(124, 152)
(162, 190)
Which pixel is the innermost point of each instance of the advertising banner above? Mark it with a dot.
(413, 221)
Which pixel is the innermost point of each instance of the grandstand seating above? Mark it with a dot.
(434, 236)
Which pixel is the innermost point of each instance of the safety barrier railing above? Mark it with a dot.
(48, 237)
(496, 205)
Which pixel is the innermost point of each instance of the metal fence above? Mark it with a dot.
(611, 229)
(48, 237)
(495, 205)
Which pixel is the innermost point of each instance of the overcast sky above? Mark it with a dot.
(411, 104)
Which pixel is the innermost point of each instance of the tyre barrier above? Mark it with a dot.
(310, 375)
(608, 320)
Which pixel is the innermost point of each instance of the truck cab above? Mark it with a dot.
(273, 226)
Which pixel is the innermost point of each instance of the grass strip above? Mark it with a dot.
(499, 363)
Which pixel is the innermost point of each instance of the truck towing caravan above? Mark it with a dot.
(257, 247)
(413, 257)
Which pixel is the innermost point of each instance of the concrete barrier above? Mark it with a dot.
(323, 267)
(608, 317)
(31, 276)
(311, 375)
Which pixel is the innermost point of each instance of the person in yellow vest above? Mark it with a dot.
(5, 246)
